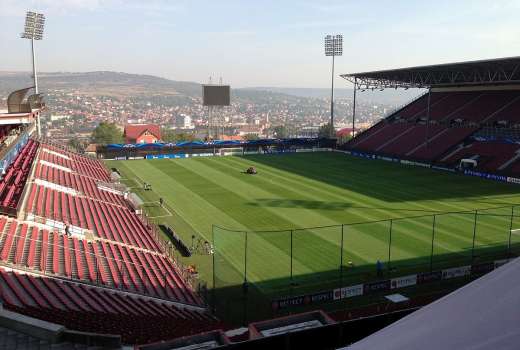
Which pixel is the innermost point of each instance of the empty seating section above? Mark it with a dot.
(489, 155)
(106, 220)
(86, 308)
(13, 182)
(484, 107)
(415, 136)
(451, 104)
(497, 133)
(388, 132)
(439, 145)
(77, 278)
(514, 169)
(510, 113)
(377, 128)
(418, 107)
(79, 164)
(454, 116)
(84, 184)
(96, 262)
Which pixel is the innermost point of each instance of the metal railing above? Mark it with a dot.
(350, 250)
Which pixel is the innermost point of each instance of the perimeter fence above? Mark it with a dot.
(252, 268)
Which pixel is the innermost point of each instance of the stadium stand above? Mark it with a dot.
(107, 243)
(86, 308)
(73, 162)
(439, 144)
(88, 186)
(74, 252)
(461, 116)
(491, 156)
(12, 183)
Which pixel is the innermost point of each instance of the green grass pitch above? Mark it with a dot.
(302, 190)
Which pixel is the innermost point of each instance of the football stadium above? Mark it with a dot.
(283, 243)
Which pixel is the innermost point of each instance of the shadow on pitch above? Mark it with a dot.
(327, 205)
(299, 203)
(237, 305)
(389, 182)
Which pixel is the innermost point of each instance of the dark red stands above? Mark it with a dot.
(74, 162)
(441, 143)
(13, 181)
(86, 185)
(83, 258)
(139, 320)
(411, 139)
(509, 113)
(490, 156)
(483, 109)
(450, 105)
(417, 108)
(121, 258)
(106, 220)
(435, 134)
(385, 133)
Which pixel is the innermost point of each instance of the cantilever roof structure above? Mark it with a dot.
(498, 71)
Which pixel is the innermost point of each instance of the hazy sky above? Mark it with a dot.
(256, 43)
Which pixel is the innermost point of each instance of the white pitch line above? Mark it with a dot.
(139, 183)
(160, 216)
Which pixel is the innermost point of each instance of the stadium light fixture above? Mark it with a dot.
(333, 48)
(33, 30)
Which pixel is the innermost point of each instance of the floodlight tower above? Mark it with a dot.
(33, 30)
(333, 47)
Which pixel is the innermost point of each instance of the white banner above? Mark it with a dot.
(348, 292)
(456, 272)
(513, 180)
(400, 282)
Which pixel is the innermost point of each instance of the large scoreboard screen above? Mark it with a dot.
(216, 95)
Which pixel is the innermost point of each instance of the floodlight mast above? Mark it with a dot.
(333, 47)
(33, 30)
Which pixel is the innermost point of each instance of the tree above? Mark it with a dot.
(168, 135)
(106, 133)
(185, 136)
(326, 131)
(76, 144)
(280, 132)
(171, 136)
(250, 137)
(344, 139)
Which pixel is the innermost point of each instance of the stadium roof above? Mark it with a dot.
(496, 71)
(484, 314)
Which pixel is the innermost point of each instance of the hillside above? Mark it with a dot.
(389, 96)
(117, 84)
(100, 83)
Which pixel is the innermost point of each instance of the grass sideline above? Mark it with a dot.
(320, 189)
